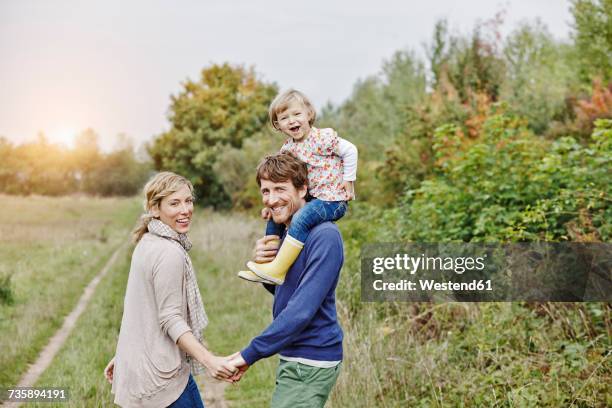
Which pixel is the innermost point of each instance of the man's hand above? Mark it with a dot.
(349, 187)
(266, 248)
(237, 361)
(266, 214)
(220, 368)
(109, 370)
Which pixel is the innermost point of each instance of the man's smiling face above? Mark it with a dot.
(283, 199)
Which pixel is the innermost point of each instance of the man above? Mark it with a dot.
(305, 330)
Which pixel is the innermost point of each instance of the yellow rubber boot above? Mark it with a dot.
(250, 276)
(276, 270)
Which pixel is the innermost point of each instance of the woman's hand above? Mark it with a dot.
(266, 248)
(220, 368)
(109, 370)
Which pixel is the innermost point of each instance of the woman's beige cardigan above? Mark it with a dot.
(150, 370)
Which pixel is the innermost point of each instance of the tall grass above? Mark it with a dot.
(52, 247)
(79, 365)
(6, 289)
(466, 354)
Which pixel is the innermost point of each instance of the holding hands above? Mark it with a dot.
(237, 361)
(230, 368)
(220, 368)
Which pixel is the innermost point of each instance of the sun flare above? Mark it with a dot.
(64, 135)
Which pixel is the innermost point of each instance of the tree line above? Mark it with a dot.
(45, 168)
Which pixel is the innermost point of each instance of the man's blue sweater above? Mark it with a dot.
(305, 323)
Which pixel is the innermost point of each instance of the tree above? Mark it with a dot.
(226, 106)
(118, 172)
(86, 155)
(539, 75)
(44, 168)
(471, 64)
(593, 38)
(9, 166)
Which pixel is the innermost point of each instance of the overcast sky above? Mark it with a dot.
(112, 65)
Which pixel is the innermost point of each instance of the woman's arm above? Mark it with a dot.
(218, 367)
(168, 276)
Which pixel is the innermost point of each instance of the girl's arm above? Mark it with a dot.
(348, 152)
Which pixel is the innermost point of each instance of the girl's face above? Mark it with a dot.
(294, 121)
(176, 210)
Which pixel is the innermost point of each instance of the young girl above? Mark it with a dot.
(332, 169)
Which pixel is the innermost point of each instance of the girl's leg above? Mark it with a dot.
(271, 229)
(274, 229)
(312, 214)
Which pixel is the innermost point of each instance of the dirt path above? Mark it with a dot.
(59, 338)
(213, 392)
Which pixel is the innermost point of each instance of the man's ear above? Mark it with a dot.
(302, 191)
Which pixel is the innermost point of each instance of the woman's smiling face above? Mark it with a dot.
(176, 210)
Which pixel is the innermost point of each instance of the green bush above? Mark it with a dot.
(513, 186)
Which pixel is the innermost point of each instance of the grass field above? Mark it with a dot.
(51, 248)
(396, 354)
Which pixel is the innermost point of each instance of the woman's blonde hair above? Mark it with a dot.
(282, 101)
(159, 186)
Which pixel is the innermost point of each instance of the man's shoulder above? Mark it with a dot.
(326, 231)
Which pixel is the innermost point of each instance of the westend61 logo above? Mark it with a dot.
(566, 272)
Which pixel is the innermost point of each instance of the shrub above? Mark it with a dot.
(513, 186)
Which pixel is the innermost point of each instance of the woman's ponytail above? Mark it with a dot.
(141, 227)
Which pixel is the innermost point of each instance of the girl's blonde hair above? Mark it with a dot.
(282, 101)
(159, 186)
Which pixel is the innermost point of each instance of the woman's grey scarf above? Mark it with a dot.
(196, 315)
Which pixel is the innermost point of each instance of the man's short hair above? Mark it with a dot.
(282, 167)
(282, 101)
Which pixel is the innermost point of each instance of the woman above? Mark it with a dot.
(160, 343)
